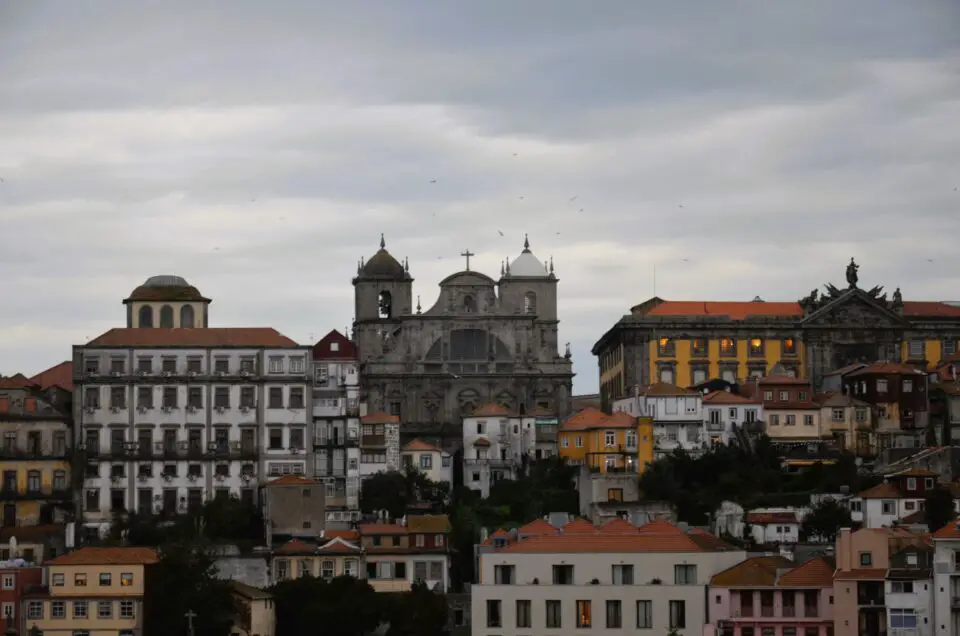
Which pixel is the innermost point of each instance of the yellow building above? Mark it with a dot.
(618, 443)
(35, 446)
(98, 591)
(336, 553)
(690, 342)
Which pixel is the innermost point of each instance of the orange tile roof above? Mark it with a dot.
(491, 409)
(886, 368)
(754, 572)
(732, 310)
(764, 518)
(929, 309)
(880, 491)
(537, 527)
(949, 531)
(659, 526)
(293, 480)
(500, 533)
(338, 545)
(17, 381)
(815, 572)
(481, 442)
(579, 526)
(346, 535)
(206, 337)
(420, 445)
(107, 556)
(667, 390)
(592, 419)
(296, 547)
(618, 525)
(379, 417)
(862, 574)
(60, 375)
(725, 397)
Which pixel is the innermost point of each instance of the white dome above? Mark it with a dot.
(527, 264)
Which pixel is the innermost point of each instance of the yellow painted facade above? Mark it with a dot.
(932, 352)
(605, 444)
(722, 353)
(53, 476)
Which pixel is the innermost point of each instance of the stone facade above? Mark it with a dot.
(832, 330)
(482, 340)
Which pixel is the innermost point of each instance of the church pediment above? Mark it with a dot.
(468, 279)
(854, 308)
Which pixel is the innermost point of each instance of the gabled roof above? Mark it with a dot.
(662, 389)
(579, 526)
(334, 346)
(17, 381)
(754, 572)
(592, 419)
(491, 409)
(420, 445)
(880, 491)
(618, 525)
(500, 533)
(817, 572)
(886, 368)
(537, 527)
(107, 556)
(60, 375)
(949, 531)
(296, 547)
(253, 337)
(725, 397)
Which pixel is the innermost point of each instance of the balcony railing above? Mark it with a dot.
(373, 440)
(27, 453)
(330, 441)
(10, 493)
(181, 451)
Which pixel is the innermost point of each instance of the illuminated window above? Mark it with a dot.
(666, 347)
(728, 347)
(126, 580)
(789, 347)
(756, 347)
(584, 614)
(698, 347)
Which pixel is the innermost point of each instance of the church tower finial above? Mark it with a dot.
(383, 243)
(418, 304)
(508, 266)
(406, 264)
(551, 263)
(526, 243)
(502, 271)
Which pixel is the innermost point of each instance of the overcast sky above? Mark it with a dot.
(259, 148)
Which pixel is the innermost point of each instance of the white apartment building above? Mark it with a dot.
(435, 463)
(336, 425)
(724, 411)
(171, 417)
(677, 415)
(946, 581)
(647, 580)
(495, 443)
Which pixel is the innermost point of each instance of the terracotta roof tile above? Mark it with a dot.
(296, 547)
(949, 531)
(887, 368)
(500, 533)
(668, 390)
(60, 375)
(428, 523)
(880, 491)
(17, 381)
(539, 411)
(107, 556)
(606, 543)
(491, 409)
(780, 379)
(324, 350)
(292, 480)
(618, 525)
(379, 417)
(579, 526)
(725, 397)
(862, 574)
(346, 535)
(659, 526)
(816, 572)
(732, 310)
(928, 309)
(382, 528)
(592, 419)
(765, 518)
(754, 572)
(535, 528)
(207, 337)
(420, 445)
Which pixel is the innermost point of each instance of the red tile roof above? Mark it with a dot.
(500, 533)
(881, 491)
(107, 556)
(886, 368)
(591, 419)
(207, 337)
(667, 390)
(537, 527)
(420, 445)
(949, 531)
(382, 528)
(17, 381)
(742, 310)
(725, 397)
(780, 379)
(766, 518)
(345, 350)
(60, 375)
(915, 472)
(618, 525)
(292, 480)
(579, 526)
(606, 543)
(862, 574)
(379, 417)
(659, 526)
(758, 571)
(491, 409)
(816, 572)
(296, 547)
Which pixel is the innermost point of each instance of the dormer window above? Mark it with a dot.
(911, 483)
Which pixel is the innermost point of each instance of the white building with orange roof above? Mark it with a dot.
(677, 416)
(724, 411)
(333, 553)
(902, 494)
(434, 462)
(496, 443)
(610, 580)
(946, 580)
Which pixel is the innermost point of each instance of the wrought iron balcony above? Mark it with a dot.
(27, 453)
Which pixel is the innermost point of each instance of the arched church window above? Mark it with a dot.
(469, 304)
(166, 316)
(530, 303)
(385, 304)
(186, 316)
(146, 316)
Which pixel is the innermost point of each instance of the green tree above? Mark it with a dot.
(824, 522)
(184, 581)
(394, 491)
(343, 606)
(419, 612)
(938, 508)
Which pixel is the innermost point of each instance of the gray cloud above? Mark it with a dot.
(743, 148)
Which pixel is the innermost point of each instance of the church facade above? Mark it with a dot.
(483, 340)
(690, 342)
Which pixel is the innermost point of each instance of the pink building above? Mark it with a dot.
(772, 596)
